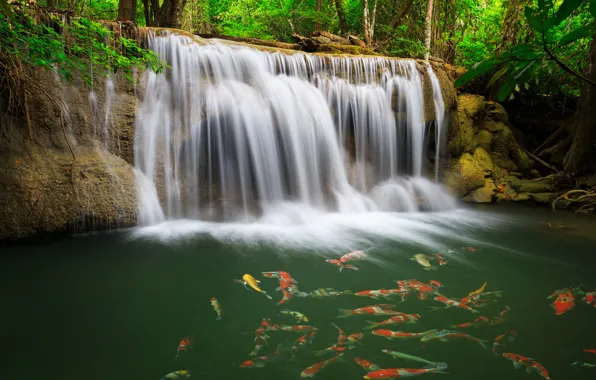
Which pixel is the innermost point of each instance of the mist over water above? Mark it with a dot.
(290, 149)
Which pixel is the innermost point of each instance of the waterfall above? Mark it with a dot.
(230, 132)
(439, 118)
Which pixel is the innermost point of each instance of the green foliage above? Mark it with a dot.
(551, 48)
(80, 48)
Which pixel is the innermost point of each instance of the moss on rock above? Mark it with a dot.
(464, 176)
(545, 185)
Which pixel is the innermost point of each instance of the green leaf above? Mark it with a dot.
(523, 51)
(565, 10)
(534, 19)
(506, 89)
(477, 70)
(498, 75)
(584, 31)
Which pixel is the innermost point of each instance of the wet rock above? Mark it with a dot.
(483, 161)
(545, 185)
(496, 112)
(521, 197)
(464, 176)
(493, 126)
(545, 198)
(485, 194)
(484, 140)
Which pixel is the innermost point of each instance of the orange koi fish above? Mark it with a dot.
(304, 340)
(317, 367)
(563, 303)
(260, 341)
(447, 335)
(450, 303)
(184, 345)
(261, 361)
(370, 310)
(399, 334)
(367, 365)
(591, 351)
(341, 265)
(395, 373)
(403, 318)
(529, 363)
(509, 335)
(590, 298)
(475, 323)
(440, 259)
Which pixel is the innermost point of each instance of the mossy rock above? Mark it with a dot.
(521, 197)
(483, 139)
(545, 198)
(496, 112)
(473, 106)
(493, 126)
(532, 186)
(464, 176)
(485, 194)
(483, 161)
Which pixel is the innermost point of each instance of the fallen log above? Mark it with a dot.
(357, 41)
(333, 37)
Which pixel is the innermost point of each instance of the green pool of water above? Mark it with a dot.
(107, 306)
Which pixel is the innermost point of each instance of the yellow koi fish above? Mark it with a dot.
(216, 307)
(249, 280)
(479, 290)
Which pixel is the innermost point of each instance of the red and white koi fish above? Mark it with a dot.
(280, 275)
(381, 293)
(353, 339)
(341, 265)
(184, 345)
(341, 335)
(448, 335)
(353, 256)
(530, 364)
(367, 365)
(370, 310)
(400, 334)
(298, 328)
(590, 298)
(563, 303)
(591, 351)
(475, 323)
(266, 325)
(395, 373)
(397, 319)
(317, 367)
(451, 303)
(440, 260)
(261, 361)
(509, 335)
(260, 341)
(304, 340)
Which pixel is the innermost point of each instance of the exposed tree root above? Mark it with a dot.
(581, 196)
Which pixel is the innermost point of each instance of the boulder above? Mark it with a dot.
(544, 185)
(485, 194)
(545, 198)
(483, 161)
(464, 175)
(483, 139)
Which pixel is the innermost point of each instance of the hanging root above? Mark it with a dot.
(587, 197)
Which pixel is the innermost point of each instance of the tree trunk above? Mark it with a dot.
(398, 17)
(428, 28)
(368, 22)
(582, 154)
(318, 9)
(343, 25)
(127, 10)
(170, 14)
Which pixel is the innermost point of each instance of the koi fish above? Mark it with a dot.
(403, 318)
(298, 328)
(579, 365)
(401, 355)
(370, 310)
(440, 259)
(591, 351)
(366, 365)
(304, 340)
(450, 303)
(505, 310)
(266, 325)
(353, 339)
(509, 335)
(353, 256)
(184, 345)
(260, 341)
(529, 363)
(448, 335)
(249, 280)
(423, 260)
(395, 373)
(280, 275)
(475, 323)
(182, 374)
(380, 293)
(216, 307)
(576, 291)
(479, 290)
(341, 265)
(317, 367)
(563, 303)
(341, 335)
(400, 334)
(590, 298)
(261, 361)
(328, 292)
(300, 318)
(470, 249)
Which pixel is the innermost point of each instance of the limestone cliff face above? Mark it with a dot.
(44, 188)
(486, 162)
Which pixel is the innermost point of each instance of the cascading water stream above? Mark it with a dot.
(234, 133)
(439, 117)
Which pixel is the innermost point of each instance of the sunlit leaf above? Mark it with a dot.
(476, 71)
(585, 31)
